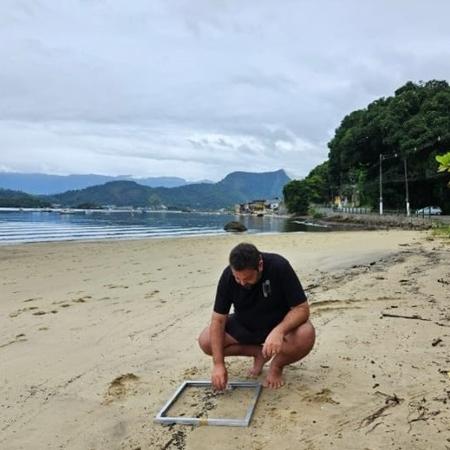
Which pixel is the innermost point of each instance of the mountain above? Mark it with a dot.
(18, 199)
(256, 185)
(237, 187)
(44, 184)
(159, 181)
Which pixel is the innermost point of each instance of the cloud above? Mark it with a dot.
(201, 88)
(74, 147)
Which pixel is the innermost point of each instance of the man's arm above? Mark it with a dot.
(293, 319)
(219, 376)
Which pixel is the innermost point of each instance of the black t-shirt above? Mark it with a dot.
(265, 304)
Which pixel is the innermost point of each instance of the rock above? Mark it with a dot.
(235, 226)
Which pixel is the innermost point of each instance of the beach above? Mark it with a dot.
(95, 337)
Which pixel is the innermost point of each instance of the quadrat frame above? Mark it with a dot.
(167, 420)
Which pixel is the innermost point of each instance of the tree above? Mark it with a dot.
(154, 201)
(18, 199)
(296, 196)
(444, 161)
(318, 184)
(415, 125)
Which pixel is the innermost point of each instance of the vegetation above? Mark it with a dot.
(299, 194)
(314, 213)
(18, 199)
(88, 205)
(444, 163)
(414, 125)
(237, 187)
(409, 130)
(296, 197)
(441, 230)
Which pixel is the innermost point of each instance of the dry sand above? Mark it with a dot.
(95, 338)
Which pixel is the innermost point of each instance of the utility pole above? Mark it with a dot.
(382, 158)
(381, 184)
(406, 188)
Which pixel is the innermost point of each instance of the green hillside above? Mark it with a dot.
(237, 187)
(18, 199)
(408, 130)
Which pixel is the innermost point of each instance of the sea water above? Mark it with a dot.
(23, 226)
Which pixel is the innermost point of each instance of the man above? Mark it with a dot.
(270, 320)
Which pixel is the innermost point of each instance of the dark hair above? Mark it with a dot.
(244, 256)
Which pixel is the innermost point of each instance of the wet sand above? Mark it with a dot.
(95, 338)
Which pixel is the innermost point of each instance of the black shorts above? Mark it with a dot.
(244, 336)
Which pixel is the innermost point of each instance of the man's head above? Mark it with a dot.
(246, 264)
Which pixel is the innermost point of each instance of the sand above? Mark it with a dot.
(95, 338)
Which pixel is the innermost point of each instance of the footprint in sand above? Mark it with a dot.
(115, 286)
(192, 371)
(22, 310)
(323, 396)
(19, 338)
(32, 299)
(79, 300)
(120, 387)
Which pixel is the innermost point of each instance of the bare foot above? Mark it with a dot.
(274, 379)
(258, 364)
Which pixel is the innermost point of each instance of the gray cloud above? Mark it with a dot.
(200, 88)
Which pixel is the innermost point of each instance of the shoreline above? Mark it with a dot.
(218, 233)
(96, 336)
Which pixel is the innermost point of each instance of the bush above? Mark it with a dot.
(441, 230)
(314, 213)
(296, 197)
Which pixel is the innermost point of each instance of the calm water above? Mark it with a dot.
(38, 226)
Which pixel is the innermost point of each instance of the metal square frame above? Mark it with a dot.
(165, 420)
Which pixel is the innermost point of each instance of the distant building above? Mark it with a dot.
(258, 207)
(273, 204)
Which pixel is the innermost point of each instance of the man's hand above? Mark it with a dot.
(219, 377)
(272, 345)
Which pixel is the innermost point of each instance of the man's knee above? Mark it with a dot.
(307, 332)
(311, 334)
(204, 342)
(303, 338)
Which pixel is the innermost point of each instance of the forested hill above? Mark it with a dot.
(255, 185)
(18, 199)
(412, 126)
(235, 188)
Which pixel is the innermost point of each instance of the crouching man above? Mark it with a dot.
(270, 319)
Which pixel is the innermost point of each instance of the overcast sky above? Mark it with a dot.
(201, 88)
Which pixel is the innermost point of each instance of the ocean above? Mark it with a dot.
(26, 226)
